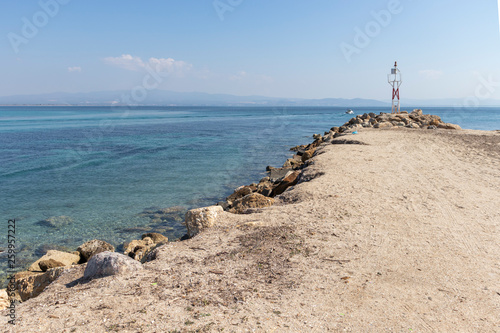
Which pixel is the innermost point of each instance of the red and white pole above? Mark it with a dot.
(395, 81)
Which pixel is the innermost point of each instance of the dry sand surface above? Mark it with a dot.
(397, 234)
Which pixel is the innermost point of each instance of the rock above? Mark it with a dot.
(449, 126)
(432, 127)
(240, 192)
(135, 229)
(31, 284)
(201, 218)
(224, 204)
(254, 200)
(372, 115)
(110, 263)
(317, 136)
(383, 125)
(264, 180)
(4, 299)
(161, 211)
(51, 258)
(278, 174)
(45, 265)
(150, 256)
(405, 120)
(263, 185)
(308, 154)
(90, 248)
(171, 210)
(156, 237)
(416, 112)
(297, 148)
(292, 163)
(335, 129)
(413, 125)
(268, 191)
(434, 122)
(288, 181)
(56, 221)
(136, 249)
(161, 215)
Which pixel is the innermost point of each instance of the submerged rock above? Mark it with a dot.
(44, 248)
(110, 263)
(169, 214)
(156, 237)
(56, 221)
(133, 230)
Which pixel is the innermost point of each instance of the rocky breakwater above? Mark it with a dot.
(415, 119)
(250, 198)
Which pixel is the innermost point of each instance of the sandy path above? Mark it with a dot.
(401, 234)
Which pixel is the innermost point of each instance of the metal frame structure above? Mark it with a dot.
(395, 81)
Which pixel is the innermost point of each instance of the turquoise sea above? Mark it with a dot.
(102, 166)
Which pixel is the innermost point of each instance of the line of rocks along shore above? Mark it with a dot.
(101, 259)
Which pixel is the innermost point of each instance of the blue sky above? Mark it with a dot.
(444, 48)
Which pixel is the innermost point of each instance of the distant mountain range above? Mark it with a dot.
(171, 98)
(165, 97)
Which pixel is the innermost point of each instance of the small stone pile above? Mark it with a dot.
(414, 119)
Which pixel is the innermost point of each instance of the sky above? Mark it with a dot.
(281, 48)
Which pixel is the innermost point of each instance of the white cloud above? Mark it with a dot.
(431, 74)
(159, 65)
(74, 69)
(126, 61)
(238, 76)
(169, 65)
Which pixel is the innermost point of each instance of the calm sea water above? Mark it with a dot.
(103, 166)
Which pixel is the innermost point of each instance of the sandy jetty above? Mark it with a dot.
(389, 230)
